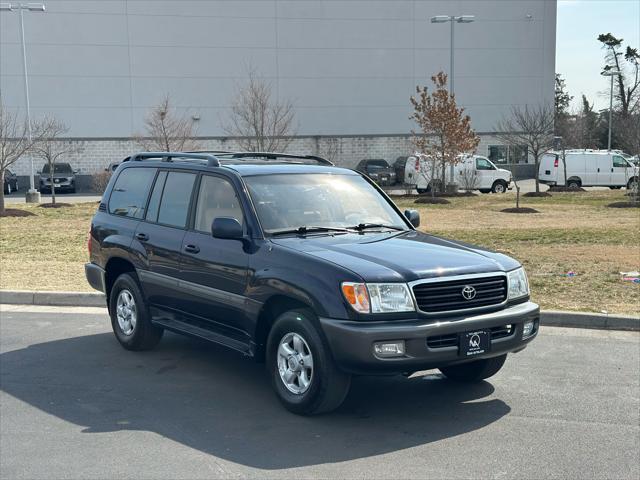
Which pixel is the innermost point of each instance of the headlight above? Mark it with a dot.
(518, 284)
(378, 297)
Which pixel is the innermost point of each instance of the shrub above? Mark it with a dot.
(99, 181)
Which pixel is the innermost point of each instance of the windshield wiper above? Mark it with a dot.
(365, 226)
(304, 229)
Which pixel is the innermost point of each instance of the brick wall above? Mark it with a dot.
(96, 155)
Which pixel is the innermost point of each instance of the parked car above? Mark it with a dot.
(586, 168)
(473, 172)
(10, 182)
(64, 178)
(308, 267)
(379, 170)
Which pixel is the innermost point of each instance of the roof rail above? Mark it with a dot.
(211, 160)
(274, 156)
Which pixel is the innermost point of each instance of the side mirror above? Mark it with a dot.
(227, 227)
(413, 216)
(76, 172)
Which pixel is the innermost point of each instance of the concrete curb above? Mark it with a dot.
(551, 318)
(64, 299)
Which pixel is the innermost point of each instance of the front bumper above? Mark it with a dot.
(352, 342)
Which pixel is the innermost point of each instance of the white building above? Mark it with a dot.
(349, 67)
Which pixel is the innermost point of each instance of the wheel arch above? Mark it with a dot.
(275, 306)
(115, 267)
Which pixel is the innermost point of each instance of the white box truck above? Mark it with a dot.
(588, 168)
(472, 172)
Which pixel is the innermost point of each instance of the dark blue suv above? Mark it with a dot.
(306, 266)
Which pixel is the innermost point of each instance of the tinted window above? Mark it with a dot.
(216, 198)
(174, 207)
(154, 202)
(58, 168)
(129, 194)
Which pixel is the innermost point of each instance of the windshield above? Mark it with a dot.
(58, 168)
(377, 165)
(291, 201)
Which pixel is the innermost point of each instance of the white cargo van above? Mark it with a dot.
(588, 168)
(474, 172)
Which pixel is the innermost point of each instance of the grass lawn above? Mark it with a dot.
(574, 232)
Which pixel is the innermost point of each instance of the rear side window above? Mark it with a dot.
(216, 198)
(129, 195)
(174, 206)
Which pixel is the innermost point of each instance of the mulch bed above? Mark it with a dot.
(624, 205)
(519, 210)
(536, 194)
(432, 200)
(454, 195)
(14, 212)
(54, 205)
(566, 189)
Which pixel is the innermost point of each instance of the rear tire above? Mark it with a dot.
(476, 370)
(130, 318)
(573, 183)
(422, 191)
(317, 386)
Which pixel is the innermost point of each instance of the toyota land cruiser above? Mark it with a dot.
(301, 264)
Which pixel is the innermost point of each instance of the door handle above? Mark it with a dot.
(611, 169)
(143, 237)
(192, 248)
(598, 170)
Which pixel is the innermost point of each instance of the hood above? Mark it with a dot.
(393, 257)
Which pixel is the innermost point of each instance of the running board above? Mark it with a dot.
(179, 326)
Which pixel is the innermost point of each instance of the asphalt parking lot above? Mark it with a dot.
(74, 404)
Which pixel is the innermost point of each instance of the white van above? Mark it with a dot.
(472, 172)
(588, 168)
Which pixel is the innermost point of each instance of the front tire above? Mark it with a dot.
(499, 187)
(303, 373)
(130, 318)
(474, 371)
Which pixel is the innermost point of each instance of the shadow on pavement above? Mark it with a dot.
(208, 398)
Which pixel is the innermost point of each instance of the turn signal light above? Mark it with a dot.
(357, 296)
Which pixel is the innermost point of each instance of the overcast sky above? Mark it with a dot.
(579, 57)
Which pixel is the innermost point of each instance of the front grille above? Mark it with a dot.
(446, 295)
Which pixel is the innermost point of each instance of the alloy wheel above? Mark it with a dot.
(126, 312)
(295, 363)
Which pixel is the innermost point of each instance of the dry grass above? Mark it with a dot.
(573, 232)
(46, 251)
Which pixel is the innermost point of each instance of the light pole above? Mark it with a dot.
(33, 195)
(452, 19)
(610, 73)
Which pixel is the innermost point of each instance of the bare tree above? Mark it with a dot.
(531, 126)
(50, 148)
(167, 131)
(445, 132)
(14, 143)
(628, 93)
(469, 178)
(262, 123)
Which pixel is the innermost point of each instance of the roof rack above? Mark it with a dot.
(210, 159)
(273, 156)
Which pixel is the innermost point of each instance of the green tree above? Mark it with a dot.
(562, 98)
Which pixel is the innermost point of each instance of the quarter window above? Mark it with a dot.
(216, 198)
(174, 206)
(129, 195)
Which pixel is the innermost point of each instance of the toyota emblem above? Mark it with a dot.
(468, 292)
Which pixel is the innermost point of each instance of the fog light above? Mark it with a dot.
(389, 349)
(527, 331)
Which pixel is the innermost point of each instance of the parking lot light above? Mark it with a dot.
(32, 194)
